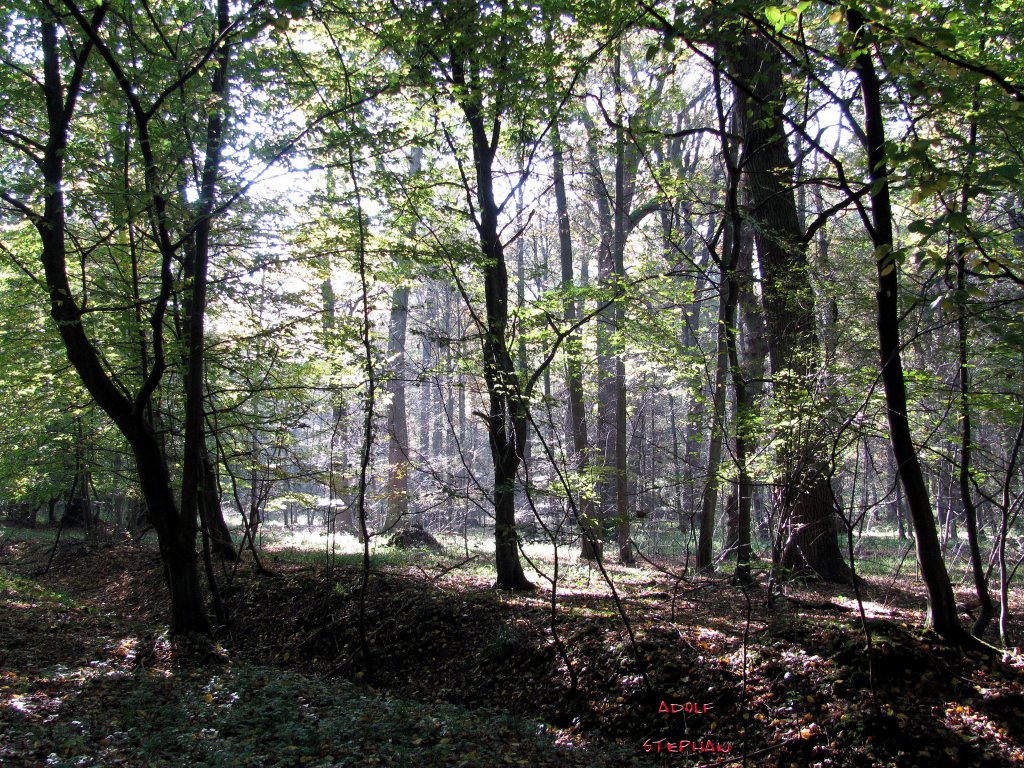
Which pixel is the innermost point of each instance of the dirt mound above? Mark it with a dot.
(413, 538)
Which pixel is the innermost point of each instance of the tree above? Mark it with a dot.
(618, 217)
(788, 300)
(102, 133)
(398, 430)
(942, 610)
(475, 56)
(578, 437)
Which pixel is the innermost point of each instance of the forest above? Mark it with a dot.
(511, 382)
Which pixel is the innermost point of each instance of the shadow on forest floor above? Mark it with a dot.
(459, 672)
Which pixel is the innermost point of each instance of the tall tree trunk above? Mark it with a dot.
(709, 498)
(788, 299)
(942, 611)
(506, 418)
(986, 609)
(522, 357)
(196, 465)
(1004, 523)
(176, 531)
(727, 360)
(426, 387)
(616, 221)
(697, 406)
(752, 365)
(604, 428)
(398, 425)
(623, 199)
(577, 411)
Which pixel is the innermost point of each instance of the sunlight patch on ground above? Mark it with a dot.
(970, 723)
(872, 609)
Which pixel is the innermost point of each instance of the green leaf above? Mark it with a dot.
(956, 220)
(924, 227)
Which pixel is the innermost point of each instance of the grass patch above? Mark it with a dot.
(42, 534)
(20, 591)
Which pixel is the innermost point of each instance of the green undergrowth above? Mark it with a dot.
(244, 715)
(121, 695)
(463, 675)
(20, 591)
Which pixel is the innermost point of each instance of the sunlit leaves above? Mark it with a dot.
(781, 17)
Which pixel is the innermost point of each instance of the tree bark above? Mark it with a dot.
(616, 221)
(578, 438)
(212, 512)
(623, 198)
(175, 531)
(788, 300)
(398, 425)
(986, 608)
(506, 418)
(942, 610)
(709, 498)
(748, 389)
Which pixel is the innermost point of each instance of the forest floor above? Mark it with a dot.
(457, 674)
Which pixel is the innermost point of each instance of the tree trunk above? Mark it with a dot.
(196, 464)
(398, 425)
(605, 434)
(213, 513)
(506, 418)
(176, 531)
(1004, 523)
(624, 186)
(788, 300)
(709, 499)
(741, 498)
(942, 610)
(985, 609)
(577, 411)
(522, 356)
(614, 213)
(748, 389)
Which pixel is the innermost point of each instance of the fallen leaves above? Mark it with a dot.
(456, 670)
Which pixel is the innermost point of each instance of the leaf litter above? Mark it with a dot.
(461, 675)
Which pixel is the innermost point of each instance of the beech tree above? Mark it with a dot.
(789, 308)
(478, 60)
(100, 137)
